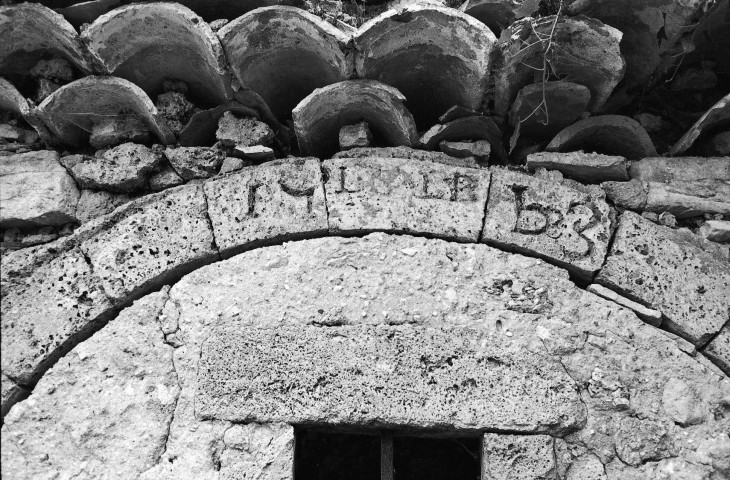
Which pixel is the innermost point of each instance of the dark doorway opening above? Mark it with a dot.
(333, 456)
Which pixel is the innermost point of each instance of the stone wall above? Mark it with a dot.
(222, 237)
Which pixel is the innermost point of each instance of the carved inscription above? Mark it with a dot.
(452, 187)
(535, 218)
(307, 193)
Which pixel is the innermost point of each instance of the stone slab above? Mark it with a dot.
(718, 350)
(277, 201)
(36, 190)
(102, 412)
(681, 169)
(584, 167)
(560, 224)
(659, 268)
(409, 196)
(144, 243)
(685, 199)
(46, 310)
(258, 451)
(652, 317)
(382, 376)
(518, 457)
(124, 168)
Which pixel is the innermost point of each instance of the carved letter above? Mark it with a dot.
(296, 192)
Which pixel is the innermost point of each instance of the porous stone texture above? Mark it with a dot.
(379, 376)
(275, 201)
(94, 204)
(718, 350)
(632, 194)
(584, 167)
(258, 451)
(47, 302)
(355, 136)
(159, 237)
(566, 226)
(165, 178)
(121, 169)
(102, 412)
(244, 132)
(112, 131)
(175, 109)
(661, 268)
(519, 457)
(195, 162)
(36, 190)
(409, 196)
(231, 164)
(397, 152)
(607, 134)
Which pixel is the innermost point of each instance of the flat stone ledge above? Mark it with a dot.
(274, 201)
(660, 268)
(408, 196)
(382, 376)
(565, 226)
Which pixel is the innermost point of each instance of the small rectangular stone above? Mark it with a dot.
(685, 199)
(560, 224)
(718, 350)
(584, 167)
(58, 300)
(652, 317)
(518, 457)
(145, 242)
(680, 169)
(36, 190)
(275, 201)
(405, 196)
(659, 268)
(261, 451)
(383, 376)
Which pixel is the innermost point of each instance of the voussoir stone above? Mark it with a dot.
(380, 375)
(279, 200)
(409, 196)
(565, 226)
(36, 190)
(584, 167)
(47, 302)
(518, 457)
(660, 268)
(102, 412)
(148, 241)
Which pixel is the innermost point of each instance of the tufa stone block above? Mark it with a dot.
(517, 457)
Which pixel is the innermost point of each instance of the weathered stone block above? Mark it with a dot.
(718, 350)
(382, 376)
(555, 222)
(517, 457)
(716, 230)
(195, 162)
(122, 169)
(584, 167)
(43, 312)
(658, 267)
(94, 204)
(258, 451)
(36, 190)
(278, 200)
(399, 195)
(102, 412)
(148, 241)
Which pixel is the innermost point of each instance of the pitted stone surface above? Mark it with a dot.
(124, 168)
(195, 162)
(101, 412)
(159, 237)
(44, 308)
(518, 457)
(568, 227)
(409, 196)
(263, 204)
(659, 267)
(36, 190)
(382, 376)
(258, 451)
